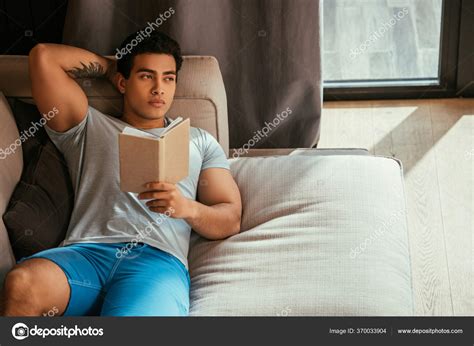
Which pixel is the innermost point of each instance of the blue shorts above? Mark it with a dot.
(145, 281)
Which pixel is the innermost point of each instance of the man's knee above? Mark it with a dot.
(19, 293)
(18, 282)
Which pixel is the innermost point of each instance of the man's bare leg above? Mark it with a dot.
(34, 287)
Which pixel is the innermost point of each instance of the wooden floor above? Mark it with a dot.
(435, 141)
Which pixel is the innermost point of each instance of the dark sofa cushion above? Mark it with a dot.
(39, 210)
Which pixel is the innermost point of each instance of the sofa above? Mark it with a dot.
(324, 231)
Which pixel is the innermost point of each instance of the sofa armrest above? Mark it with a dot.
(234, 153)
(11, 165)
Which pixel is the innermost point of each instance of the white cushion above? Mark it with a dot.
(303, 218)
(11, 164)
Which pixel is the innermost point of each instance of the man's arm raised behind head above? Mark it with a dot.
(53, 68)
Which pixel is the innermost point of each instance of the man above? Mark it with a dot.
(125, 254)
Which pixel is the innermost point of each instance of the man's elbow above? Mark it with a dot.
(38, 52)
(236, 225)
(40, 58)
(233, 227)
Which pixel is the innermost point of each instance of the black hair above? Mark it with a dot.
(139, 43)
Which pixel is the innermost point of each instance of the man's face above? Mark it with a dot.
(149, 90)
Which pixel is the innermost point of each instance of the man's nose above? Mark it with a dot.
(157, 89)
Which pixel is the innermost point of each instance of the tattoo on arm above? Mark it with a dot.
(93, 70)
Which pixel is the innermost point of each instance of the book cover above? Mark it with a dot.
(145, 158)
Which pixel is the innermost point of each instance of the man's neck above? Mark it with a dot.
(143, 124)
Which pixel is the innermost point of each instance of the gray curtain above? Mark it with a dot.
(268, 50)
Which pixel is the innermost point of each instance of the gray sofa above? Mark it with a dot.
(324, 232)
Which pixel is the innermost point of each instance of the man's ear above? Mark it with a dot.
(120, 83)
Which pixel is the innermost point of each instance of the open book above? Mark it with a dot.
(145, 157)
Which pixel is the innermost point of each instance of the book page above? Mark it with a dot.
(135, 132)
(173, 124)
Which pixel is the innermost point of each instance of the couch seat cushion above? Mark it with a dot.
(321, 235)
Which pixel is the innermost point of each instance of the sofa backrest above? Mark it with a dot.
(200, 93)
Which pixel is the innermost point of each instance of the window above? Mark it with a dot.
(390, 48)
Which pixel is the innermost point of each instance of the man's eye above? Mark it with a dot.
(169, 78)
(147, 76)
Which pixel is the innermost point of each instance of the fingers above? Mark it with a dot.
(157, 203)
(158, 185)
(163, 196)
(156, 190)
(159, 209)
(153, 195)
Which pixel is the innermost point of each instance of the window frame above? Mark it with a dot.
(444, 87)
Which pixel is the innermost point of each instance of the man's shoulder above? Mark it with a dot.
(203, 138)
(96, 112)
(199, 132)
(104, 118)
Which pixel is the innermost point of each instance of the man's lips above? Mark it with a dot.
(157, 103)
